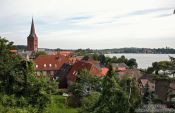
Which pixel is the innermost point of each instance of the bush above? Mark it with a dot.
(89, 101)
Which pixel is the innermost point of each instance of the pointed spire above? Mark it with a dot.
(32, 31)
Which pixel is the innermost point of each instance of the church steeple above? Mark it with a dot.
(32, 39)
(32, 30)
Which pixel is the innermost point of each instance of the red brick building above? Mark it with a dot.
(81, 65)
(32, 39)
(48, 65)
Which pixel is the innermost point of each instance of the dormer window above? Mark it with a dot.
(74, 72)
(44, 65)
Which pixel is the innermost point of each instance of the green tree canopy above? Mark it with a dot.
(113, 99)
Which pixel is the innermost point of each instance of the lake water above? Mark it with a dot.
(144, 60)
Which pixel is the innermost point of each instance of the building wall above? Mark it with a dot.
(32, 43)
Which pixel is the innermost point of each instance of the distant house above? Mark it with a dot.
(171, 92)
(104, 71)
(62, 73)
(66, 53)
(146, 80)
(49, 64)
(81, 65)
(119, 66)
(13, 51)
(131, 73)
(165, 90)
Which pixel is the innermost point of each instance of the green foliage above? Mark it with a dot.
(148, 95)
(105, 60)
(163, 65)
(131, 63)
(85, 83)
(58, 105)
(130, 86)
(113, 99)
(150, 70)
(88, 102)
(20, 89)
(102, 59)
(83, 52)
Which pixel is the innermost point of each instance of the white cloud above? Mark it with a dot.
(90, 23)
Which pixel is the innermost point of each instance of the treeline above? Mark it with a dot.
(166, 50)
(141, 50)
(167, 67)
(106, 60)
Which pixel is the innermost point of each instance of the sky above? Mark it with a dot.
(96, 24)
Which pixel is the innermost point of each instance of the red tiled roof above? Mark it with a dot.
(50, 62)
(80, 65)
(122, 68)
(13, 51)
(66, 53)
(104, 71)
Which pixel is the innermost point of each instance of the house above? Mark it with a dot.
(81, 65)
(144, 80)
(49, 64)
(131, 73)
(171, 92)
(13, 51)
(62, 73)
(162, 88)
(104, 71)
(119, 66)
(66, 53)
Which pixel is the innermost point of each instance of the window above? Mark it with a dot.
(36, 66)
(74, 73)
(44, 73)
(55, 65)
(50, 65)
(51, 72)
(38, 73)
(44, 65)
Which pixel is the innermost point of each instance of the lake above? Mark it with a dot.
(144, 60)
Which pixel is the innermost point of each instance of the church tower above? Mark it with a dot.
(32, 39)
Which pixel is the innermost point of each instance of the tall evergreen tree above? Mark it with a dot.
(112, 99)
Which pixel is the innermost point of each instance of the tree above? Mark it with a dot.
(85, 83)
(164, 65)
(89, 101)
(156, 67)
(130, 86)
(112, 99)
(122, 59)
(18, 83)
(148, 96)
(114, 59)
(102, 59)
(8, 61)
(172, 66)
(132, 63)
(150, 70)
(95, 56)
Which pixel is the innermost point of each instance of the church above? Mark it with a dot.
(32, 39)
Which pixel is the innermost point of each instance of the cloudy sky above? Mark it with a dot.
(90, 23)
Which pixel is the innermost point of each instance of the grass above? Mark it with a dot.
(58, 106)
